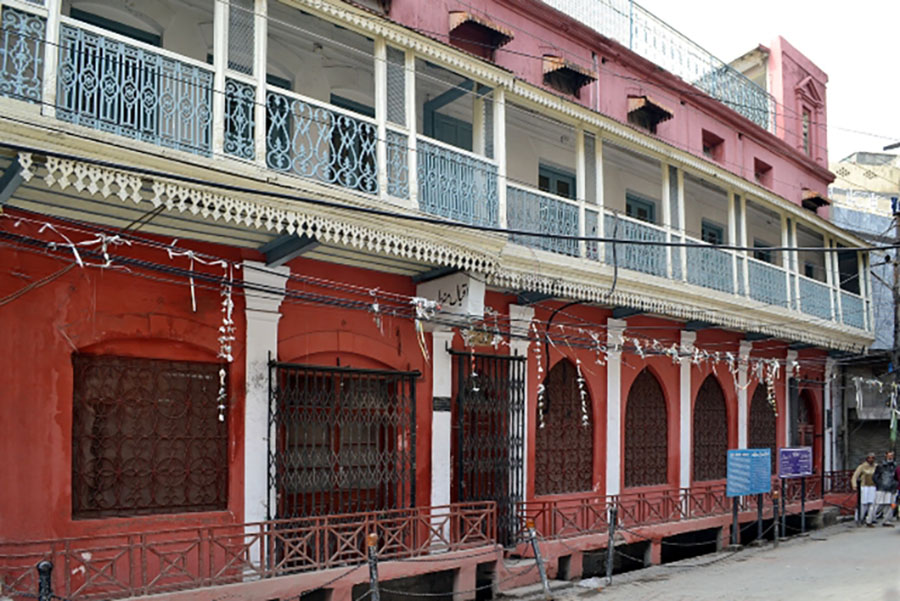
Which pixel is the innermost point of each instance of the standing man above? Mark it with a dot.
(863, 478)
(885, 489)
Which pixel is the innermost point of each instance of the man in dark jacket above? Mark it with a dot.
(885, 489)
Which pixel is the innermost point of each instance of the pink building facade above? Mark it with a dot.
(288, 273)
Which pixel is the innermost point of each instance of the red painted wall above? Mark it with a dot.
(322, 335)
(96, 311)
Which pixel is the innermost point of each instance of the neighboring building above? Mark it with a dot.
(226, 227)
(866, 182)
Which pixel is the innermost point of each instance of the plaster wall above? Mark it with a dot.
(96, 311)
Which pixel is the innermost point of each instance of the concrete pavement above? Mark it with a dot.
(841, 562)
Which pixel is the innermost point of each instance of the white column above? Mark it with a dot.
(797, 268)
(601, 212)
(682, 225)
(614, 330)
(667, 217)
(441, 425)
(262, 317)
(580, 192)
(381, 115)
(260, 66)
(827, 407)
(732, 237)
(786, 257)
(519, 324)
(686, 422)
(478, 124)
(220, 63)
(51, 58)
(788, 362)
(742, 240)
(409, 88)
(500, 151)
(743, 416)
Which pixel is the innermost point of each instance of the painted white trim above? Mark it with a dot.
(442, 378)
(51, 59)
(262, 315)
(220, 63)
(788, 362)
(381, 116)
(685, 414)
(614, 452)
(260, 65)
(743, 417)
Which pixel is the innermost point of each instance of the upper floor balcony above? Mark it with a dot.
(290, 91)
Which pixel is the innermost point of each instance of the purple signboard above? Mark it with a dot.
(795, 462)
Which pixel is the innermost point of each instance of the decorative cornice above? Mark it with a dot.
(340, 227)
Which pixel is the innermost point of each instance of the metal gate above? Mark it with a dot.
(490, 428)
(341, 440)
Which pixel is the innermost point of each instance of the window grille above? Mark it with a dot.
(710, 432)
(146, 437)
(564, 448)
(646, 433)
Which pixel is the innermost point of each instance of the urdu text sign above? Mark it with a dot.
(749, 472)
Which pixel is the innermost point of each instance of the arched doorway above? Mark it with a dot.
(646, 433)
(564, 447)
(761, 429)
(710, 431)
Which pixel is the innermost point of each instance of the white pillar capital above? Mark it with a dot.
(520, 322)
(272, 282)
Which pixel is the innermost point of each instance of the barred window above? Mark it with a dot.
(146, 437)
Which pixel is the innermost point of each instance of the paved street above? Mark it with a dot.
(842, 563)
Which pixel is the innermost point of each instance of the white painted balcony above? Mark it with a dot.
(321, 102)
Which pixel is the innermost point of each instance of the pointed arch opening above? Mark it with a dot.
(761, 427)
(710, 432)
(564, 447)
(646, 433)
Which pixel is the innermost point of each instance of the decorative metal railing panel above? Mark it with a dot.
(742, 288)
(21, 54)
(129, 91)
(636, 28)
(321, 143)
(397, 164)
(852, 310)
(118, 565)
(767, 283)
(815, 298)
(639, 257)
(240, 104)
(710, 267)
(456, 185)
(579, 515)
(531, 211)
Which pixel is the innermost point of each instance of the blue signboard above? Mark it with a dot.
(795, 462)
(749, 472)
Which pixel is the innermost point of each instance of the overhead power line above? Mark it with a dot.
(196, 181)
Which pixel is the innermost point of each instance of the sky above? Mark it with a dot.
(856, 43)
